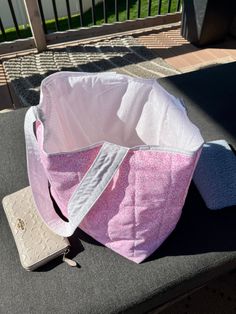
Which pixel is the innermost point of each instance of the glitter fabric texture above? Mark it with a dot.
(142, 203)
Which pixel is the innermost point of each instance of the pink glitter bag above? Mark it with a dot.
(116, 154)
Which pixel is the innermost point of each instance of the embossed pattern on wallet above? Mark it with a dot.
(35, 242)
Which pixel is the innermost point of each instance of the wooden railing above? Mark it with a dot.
(42, 35)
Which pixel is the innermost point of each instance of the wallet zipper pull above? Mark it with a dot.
(67, 260)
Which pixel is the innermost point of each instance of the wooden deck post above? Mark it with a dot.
(36, 25)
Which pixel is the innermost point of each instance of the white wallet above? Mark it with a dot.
(35, 242)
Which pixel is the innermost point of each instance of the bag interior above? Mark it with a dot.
(81, 110)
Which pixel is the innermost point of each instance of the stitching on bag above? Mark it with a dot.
(48, 101)
(134, 223)
(50, 180)
(119, 77)
(55, 205)
(83, 210)
(153, 148)
(167, 201)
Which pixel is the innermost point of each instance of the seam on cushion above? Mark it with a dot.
(177, 282)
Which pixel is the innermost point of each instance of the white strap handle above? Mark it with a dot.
(86, 194)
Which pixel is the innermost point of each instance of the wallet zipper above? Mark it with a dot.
(62, 252)
(67, 260)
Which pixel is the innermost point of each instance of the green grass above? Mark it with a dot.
(63, 22)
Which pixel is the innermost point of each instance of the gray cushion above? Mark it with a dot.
(202, 246)
(210, 98)
(215, 175)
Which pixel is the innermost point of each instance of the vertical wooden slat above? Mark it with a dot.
(169, 6)
(116, 10)
(159, 6)
(139, 8)
(178, 5)
(93, 12)
(42, 16)
(14, 18)
(68, 13)
(36, 26)
(54, 6)
(2, 29)
(105, 10)
(149, 7)
(81, 13)
(127, 9)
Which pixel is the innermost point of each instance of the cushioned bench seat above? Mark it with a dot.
(202, 246)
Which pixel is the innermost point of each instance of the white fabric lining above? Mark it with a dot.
(84, 109)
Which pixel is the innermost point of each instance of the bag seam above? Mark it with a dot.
(134, 220)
